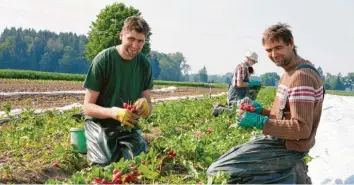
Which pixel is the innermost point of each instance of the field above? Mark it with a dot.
(183, 137)
(33, 143)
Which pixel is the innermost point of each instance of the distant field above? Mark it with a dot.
(37, 75)
(339, 93)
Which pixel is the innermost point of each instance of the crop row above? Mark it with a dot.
(184, 139)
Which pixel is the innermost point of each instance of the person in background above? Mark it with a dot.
(240, 84)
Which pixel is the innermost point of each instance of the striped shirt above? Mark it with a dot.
(240, 73)
(300, 93)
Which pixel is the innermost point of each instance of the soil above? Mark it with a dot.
(46, 101)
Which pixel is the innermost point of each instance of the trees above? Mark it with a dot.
(337, 83)
(171, 66)
(155, 64)
(203, 74)
(105, 30)
(270, 79)
(42, 50)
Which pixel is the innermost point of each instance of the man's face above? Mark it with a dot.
(279, 52)
(132, 42)
(250, 62)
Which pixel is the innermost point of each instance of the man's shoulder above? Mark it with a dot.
(306, 76)
(144, 59)
(241, 66)
(102, 55)
(307, 69)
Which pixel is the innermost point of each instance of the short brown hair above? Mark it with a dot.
(277, 32)
(137, 24)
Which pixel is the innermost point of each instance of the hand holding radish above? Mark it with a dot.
(131, 108)
(125, 116)
(142, 107)
(247, 107)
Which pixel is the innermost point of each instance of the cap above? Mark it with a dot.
(252, 55)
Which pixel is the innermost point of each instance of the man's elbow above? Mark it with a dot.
(304, 133)
(86, 109)
(239, 84)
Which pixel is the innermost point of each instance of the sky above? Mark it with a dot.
(211, 33)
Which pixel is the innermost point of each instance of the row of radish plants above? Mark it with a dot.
(184, 140)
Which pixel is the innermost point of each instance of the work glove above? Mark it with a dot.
(258, 108)
(253, 84)
(124, 116)
(249, 119)
(142, 107)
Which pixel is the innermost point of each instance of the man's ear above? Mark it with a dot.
(121, 35)
(292, 43)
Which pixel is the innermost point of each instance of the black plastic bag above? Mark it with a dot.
(107, 144)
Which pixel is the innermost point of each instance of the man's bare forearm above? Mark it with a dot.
(96, 111)
(242, 84)
(266, 112)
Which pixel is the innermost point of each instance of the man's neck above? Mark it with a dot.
(122, 53)
(295, 61)
(247, 64)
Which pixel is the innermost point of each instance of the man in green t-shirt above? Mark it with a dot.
(119, 74)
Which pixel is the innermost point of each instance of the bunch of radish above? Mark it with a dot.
(119, 178)
(130, 107)
(209, 131)
(247, 107)
(172, 154)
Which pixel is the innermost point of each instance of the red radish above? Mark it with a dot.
(115, 171)
(246, 107)
(198, 133)
(131, 166)
(118, 175)
(104, 181)
(128, 179)
(118, 181)
(97, 180)
(209, 131)
(133, 109)
(172, 154)
(125, 105)
(56, 164)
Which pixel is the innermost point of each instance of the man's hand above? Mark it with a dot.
(142, 107)
(257, 107)
(124, 116)
(249, 119)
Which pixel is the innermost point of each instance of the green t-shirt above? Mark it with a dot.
(118, 80)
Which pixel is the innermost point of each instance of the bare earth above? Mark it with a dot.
(47, 101)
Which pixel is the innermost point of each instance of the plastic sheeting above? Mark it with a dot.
(54, 93)
(333, 152)
(68, 107)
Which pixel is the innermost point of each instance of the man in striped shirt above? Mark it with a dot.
(289, 126)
